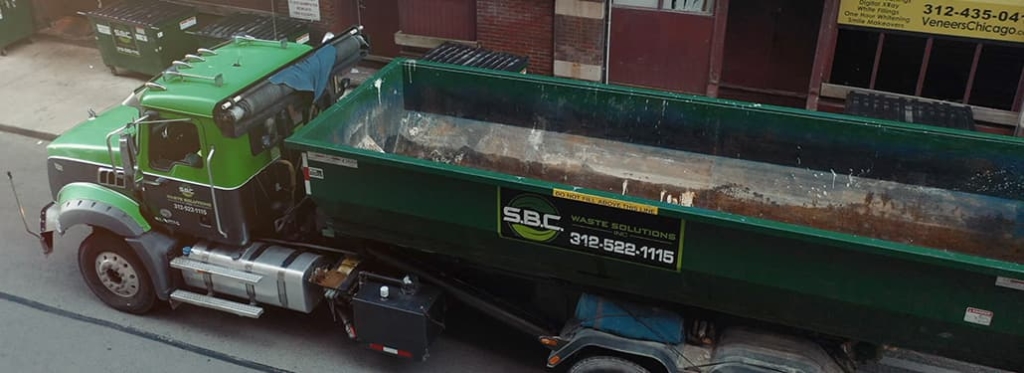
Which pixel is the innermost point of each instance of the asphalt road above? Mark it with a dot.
(50, 321)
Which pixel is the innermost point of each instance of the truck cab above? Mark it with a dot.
(197, 149)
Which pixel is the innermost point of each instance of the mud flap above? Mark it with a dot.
(48, 224)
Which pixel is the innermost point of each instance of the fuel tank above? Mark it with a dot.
(285, 274)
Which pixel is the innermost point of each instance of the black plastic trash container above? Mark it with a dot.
(910, 110)
(461, 54)
(143, 36)
(15, 22)
(254, 25)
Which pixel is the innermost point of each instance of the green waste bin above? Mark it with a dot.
(15, 22)
(254, 25)
(143, 36)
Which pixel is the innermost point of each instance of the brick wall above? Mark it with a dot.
(579, 44)
(579, 39)
(523, 27)
(329, 17)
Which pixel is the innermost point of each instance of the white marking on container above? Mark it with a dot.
(1011, 283)
(333, 159)
(686, 198)
(377, 84)
(305, 168)
(978, 316)
(103, 29)
(316, 173)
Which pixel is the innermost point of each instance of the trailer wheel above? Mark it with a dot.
(606, 364)
(113, 272)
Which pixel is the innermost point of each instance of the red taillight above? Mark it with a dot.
(305, 173)
(393, 351)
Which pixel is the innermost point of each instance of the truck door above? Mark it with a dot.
(176, 187)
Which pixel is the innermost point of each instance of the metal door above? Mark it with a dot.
(380, 22)
(660, 44)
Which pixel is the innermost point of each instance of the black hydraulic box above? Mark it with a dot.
(402, 323)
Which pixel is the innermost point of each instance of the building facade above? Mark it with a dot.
(800, 53)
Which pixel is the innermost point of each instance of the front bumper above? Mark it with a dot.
(48, 223)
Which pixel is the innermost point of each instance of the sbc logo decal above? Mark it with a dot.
(532, 217)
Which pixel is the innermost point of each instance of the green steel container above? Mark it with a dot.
(866, 229)
(254, 25)
(143, 36)
(15, 22)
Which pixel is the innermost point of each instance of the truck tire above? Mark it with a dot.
(113, 272)
(606, 364)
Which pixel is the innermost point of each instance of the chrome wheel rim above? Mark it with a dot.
(117, 275)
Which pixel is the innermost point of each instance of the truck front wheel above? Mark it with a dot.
(113, 272)
(609, 364)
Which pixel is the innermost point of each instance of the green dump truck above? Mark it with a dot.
(625, 229)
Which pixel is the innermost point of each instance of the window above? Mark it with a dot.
(979, 73)
(689, 6)
(173, 143)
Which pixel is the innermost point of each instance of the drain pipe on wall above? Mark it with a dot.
(608, 38)
(1019, 131)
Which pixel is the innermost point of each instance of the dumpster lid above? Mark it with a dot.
(462, 54)
(146, 13)
(257, 26)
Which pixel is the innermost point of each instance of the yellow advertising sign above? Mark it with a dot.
(980, 19)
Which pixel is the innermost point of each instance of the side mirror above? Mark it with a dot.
(126, 146)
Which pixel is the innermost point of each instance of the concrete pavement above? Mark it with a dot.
(48, 86)
(108, 349)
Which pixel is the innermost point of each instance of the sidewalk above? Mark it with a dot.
(48, 86)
